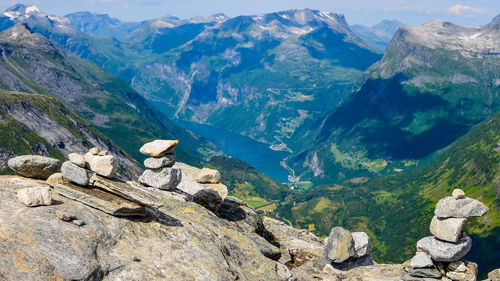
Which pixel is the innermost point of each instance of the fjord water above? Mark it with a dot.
(257, 154)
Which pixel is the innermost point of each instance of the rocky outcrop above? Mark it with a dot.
(110, 229)
(178, 241)
(34, 166)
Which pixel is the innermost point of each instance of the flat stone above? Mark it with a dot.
(425, 273)
(94, 150)
(450, 207)
(362, 244)
(168, 160)
(421, 260)
(340, 245)
(165, 179)
(34, 166)
(55, 179)
(137, 193)
(75, 174)
(65, 216)
(101, 200)
(77, 159)
(103, 153)
(35, 196)
(458, 194)
(470, 273)
(449, 229)
(106, 165)
(219, 187)
(207, 175)
(445, 251)
(158, 148)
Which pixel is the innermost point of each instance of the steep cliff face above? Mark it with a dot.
(37, 124)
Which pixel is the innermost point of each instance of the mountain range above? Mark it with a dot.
(31, 63)
(276, 71)
(434, 83)
(379, 138)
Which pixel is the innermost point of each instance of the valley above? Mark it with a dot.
(309, 120)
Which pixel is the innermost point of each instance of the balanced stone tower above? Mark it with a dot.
(160, 173)
(440, 256)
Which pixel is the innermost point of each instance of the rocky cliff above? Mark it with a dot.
(108, 229)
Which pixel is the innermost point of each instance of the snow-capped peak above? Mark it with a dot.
(21, 12)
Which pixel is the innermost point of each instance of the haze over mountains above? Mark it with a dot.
(350, 103)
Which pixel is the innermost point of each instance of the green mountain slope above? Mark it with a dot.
(430, 88)
(41, 125)
(396, 209)
(31, 63)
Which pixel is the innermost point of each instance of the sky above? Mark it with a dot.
(366, 12)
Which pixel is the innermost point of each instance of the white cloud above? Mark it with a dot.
(464, 10)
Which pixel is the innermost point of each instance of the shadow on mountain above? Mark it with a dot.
(391, 119)
(482, 245)
(346, 53)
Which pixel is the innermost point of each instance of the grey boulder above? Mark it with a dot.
(340, 245)
(157, 163)
(449, 207)
(165, 179)
(75, 174)
(421, 260)
(34, 166)
(445, 251)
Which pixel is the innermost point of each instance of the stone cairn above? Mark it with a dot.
(160, 173)
(345, 250)
(440, 256)
(92, 179)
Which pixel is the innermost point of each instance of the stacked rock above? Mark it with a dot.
(160, 173)
(441, 255)
(79, 168)
(345, 250)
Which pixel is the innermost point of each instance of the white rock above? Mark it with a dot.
(458, 194)
(362, 244)
(106, 166)
(207, 175)
(103, 153)
(77, 159)
(35, 196)
(95, 150)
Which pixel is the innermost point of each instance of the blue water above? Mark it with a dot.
(255, 153)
